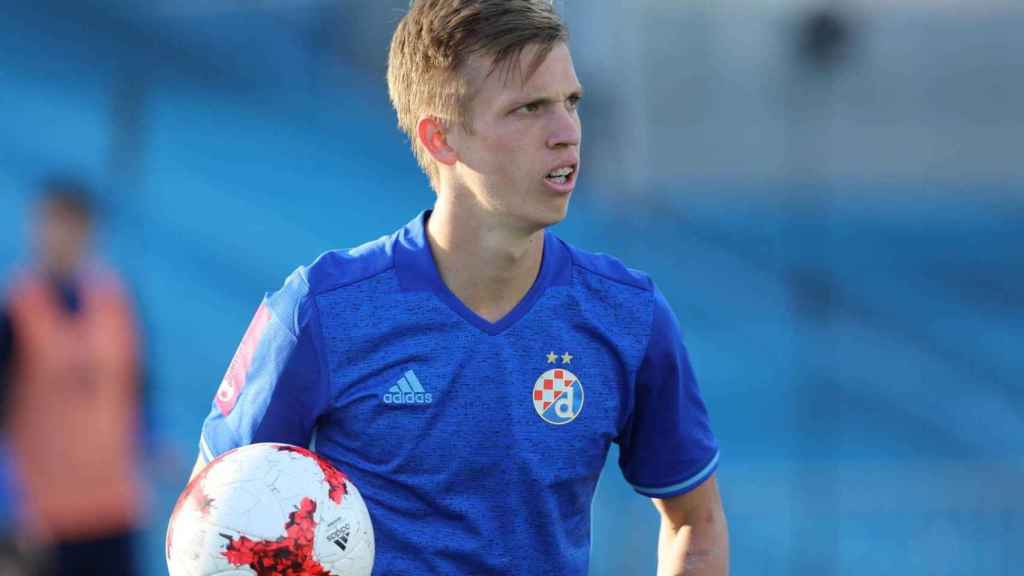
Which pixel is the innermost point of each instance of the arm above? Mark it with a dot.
(274, 389)
(694, 536)
(6, 362)
(669, 453)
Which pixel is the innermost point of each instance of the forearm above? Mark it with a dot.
(698, 547)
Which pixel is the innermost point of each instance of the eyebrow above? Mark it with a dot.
(545, 100)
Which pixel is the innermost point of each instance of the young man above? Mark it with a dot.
(470, 371)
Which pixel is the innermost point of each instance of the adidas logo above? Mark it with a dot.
(340, 537)
(408, 391)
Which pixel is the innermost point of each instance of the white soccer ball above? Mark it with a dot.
(270, 509)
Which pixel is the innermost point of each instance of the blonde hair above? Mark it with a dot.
(435, 40)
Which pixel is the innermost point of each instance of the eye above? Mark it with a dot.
(574, 101)
(529, 108)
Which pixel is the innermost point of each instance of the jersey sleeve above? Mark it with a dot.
(667, 446)
(275, 386)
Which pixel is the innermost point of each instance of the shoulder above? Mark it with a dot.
(330, 271)
(608, 268)
(629, 295)
(618, 300)
(23, 293)
(22, 278)
(338, 268)
(106, 282)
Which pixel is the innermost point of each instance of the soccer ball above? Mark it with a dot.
(270, 509)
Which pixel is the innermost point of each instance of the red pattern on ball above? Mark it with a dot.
(289, 555)
(335, 478)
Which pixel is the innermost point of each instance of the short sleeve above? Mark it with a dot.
(667, 446)
(275, 386)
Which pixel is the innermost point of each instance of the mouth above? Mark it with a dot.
(562, 177)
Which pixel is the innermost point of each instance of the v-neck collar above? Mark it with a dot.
(417, 271)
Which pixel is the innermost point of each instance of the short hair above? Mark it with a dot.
(436, 38)
(68, 196)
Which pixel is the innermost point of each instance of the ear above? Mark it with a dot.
(432, 137)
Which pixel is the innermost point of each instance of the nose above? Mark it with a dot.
(565, 129)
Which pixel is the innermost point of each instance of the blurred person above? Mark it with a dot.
(470, 371)
(71, 349)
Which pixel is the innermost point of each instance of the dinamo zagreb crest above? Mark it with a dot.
(558, 396)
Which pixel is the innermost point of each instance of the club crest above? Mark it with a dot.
(558, 396)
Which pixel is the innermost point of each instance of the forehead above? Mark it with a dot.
(553, 76)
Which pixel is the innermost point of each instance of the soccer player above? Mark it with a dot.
(470, 371)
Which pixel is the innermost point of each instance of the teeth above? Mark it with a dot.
(561, 172)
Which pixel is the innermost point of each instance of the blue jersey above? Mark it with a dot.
(476, 445)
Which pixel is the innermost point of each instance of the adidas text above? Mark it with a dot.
(408, 390)
(408, 398)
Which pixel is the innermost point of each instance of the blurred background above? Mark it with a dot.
(831, 195)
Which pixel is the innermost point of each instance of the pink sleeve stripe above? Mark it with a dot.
(234, 381)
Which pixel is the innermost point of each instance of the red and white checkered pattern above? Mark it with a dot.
(550, 386)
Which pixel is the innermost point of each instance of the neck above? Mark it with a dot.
(60, 271)
(488, 265)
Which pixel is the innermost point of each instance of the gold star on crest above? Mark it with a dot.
(566, 358)
(552, 357)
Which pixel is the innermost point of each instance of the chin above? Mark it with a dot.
(552, 214)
